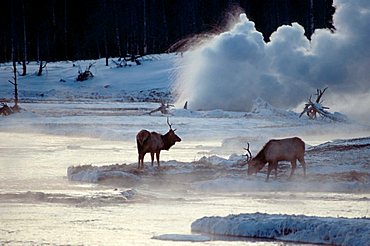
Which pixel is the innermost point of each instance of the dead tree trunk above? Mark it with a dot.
(41, 68)
(14, 82)
(319, 94)
(117, 30)
(65, 31)
(85, 75)
(314, 108)
(164, 108)
(24, 58)
(106, 49)
(5, 109)
(144, 28)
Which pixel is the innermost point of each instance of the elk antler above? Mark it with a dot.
(248, 154)
(168, 123)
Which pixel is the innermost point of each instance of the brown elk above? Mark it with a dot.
(153, 143)
(288, 149)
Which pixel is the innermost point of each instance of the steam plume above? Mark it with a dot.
(231, 69)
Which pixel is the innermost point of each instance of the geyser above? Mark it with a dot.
(229, 70)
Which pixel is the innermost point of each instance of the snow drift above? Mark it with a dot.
(231, 69)
(296, 228)
(103, 174)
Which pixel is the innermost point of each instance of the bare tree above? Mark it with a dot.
(85, 75)
(144, 28)
(42, 65)
(312, 109)
(65, 30)
(24, 58)
(117, 30)
(163, 108)
(5, 109)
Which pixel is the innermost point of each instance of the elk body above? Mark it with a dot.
(288, 149)
(153, 143)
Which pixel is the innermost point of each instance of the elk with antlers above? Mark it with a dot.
(288, 149)
(153, 143)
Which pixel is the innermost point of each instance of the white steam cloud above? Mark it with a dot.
(231, 69)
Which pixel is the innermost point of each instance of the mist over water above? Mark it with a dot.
(233, 68)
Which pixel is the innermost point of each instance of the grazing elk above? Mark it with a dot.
(288, 149)
(153, 143)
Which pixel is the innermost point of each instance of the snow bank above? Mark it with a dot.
(345, 144)
(295, 228)
(94, 174)
(217, 160)
(103, 197)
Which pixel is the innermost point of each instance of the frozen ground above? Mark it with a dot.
(68, 163)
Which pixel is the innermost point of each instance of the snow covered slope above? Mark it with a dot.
(58, 81)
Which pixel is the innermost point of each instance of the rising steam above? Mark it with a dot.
(231, 69)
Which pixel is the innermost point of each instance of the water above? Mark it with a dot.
(38, 223)
(38, 205)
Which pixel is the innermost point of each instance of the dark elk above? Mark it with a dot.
(153, 143)
(288, 149)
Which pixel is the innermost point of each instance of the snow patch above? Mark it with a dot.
(94, 174)
(295, 228)
(217, 160)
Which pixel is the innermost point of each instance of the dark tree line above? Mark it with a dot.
(49, 30)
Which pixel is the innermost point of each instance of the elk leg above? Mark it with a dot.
(141, 161)
(303, 163)
(269, 169)
(276, 170)
(152, 156)
(294, 165)
(157, 155)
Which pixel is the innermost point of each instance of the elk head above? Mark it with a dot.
(170, 138)
(254, 165)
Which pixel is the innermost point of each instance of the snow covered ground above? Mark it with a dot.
(68, 162)
(58, 81)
